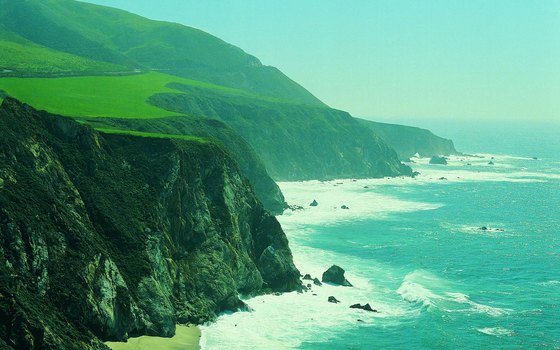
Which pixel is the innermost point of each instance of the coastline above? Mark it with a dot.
(185, 338)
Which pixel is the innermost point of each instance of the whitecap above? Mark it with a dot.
(550, 283)
(419, 286)
(477, 307)
(497, 331)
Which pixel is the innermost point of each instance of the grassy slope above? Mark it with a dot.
(110, 35)
(107, 96)
(27, 57)
(97, 96)
(152, 134)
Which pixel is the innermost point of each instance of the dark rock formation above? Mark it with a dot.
(332, 299)
(490, 163)
(365, 307)
(317, 282)
(106, 236)
(314, 203)
(438, 160)
(335, 275)
(251, 166)
(307, 277)
(344, 207)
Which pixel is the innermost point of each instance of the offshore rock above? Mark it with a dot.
(335, 275)
(333, 300)
(438, 160)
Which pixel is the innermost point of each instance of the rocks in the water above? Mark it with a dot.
(366, 186)
(309, 286)
(295, 207)
(307, 277)
(344, 206)
(335, 275)
(314, 203)
(485, 228)
(443, 178)
(438, 160)
(333, 300)
(366, 307)
(490, 163)
(317, 282)
(535, 158)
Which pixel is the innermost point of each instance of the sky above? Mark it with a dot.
(396, 59)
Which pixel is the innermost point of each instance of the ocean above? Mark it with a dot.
(416, 251)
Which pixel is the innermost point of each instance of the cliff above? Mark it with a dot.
(266, 190)
(295, 141)
(106, 236)
(295, 135)
(409, 140)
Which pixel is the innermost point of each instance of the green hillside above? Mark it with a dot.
(171, 70)
(20, 56)
(295, 142)
(113, 36)
(103, 96)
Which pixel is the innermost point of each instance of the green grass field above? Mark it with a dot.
(30, 58)
(104, 96)
(153, 134)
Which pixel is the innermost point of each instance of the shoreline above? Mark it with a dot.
(185, 338)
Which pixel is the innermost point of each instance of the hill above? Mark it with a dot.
(295, 135)
(95, 33)
(408, 141)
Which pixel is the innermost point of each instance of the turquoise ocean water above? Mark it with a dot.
(414, 250)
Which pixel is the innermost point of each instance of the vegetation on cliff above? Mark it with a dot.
(294, 134)
(408, 140)
(105, 236)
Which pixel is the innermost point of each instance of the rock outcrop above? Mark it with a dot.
(106, 236)
(366, 307)
(335, 275)
(438, 160)
(251, 166)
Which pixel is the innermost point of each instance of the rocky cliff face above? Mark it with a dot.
(408, 140)
(108, 236)
(266, 189)
(295, 141)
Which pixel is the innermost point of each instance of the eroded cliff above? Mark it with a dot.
(106, 236)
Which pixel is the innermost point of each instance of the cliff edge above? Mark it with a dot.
(106, 236)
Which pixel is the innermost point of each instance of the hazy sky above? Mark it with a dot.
(474, 59)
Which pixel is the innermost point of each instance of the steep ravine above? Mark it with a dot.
(107, 236)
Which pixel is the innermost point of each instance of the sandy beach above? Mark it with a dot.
(186, 338)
